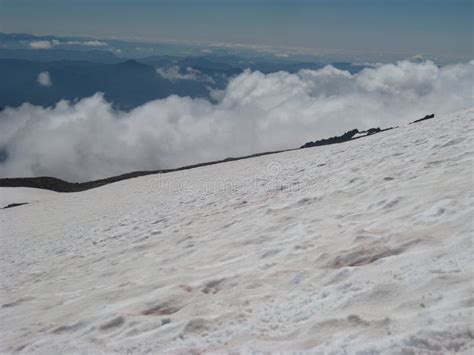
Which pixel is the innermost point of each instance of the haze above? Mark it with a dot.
(428, 27)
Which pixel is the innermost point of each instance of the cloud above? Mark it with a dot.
(44, 79)
(55, 42)
(41, 44)
(418, 58)
(86, 43)
(256, 112)
(174, 73)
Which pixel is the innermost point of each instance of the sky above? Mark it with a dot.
(436, 27)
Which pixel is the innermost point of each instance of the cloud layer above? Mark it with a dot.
(41, 44)
(174, 73)
(256, 112)
(45, 44)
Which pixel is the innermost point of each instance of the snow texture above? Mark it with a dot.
(362, 247)
(24, 195)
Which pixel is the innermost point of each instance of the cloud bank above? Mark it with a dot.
(174, 73)
(49, 44)
(41, 44)
(256, 112)
(94, 43)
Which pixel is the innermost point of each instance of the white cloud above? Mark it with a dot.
(86, 43)
(44, 79)
(256, 112)
(55, 42)
(41, 44)
(174, 73)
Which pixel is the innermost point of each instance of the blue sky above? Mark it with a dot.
(406, 26)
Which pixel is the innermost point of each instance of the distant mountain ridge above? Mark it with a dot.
(125, 83)
(54, 54)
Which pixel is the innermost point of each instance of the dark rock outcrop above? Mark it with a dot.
(58, 185)
(348, 136)
(427, 117)
(337, 139)
(371, 131)
(11, 205)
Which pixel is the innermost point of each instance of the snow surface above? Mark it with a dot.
(362, 246)
(23, 195)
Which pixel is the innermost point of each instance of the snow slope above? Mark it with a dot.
(24, 195)
(361, 246)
